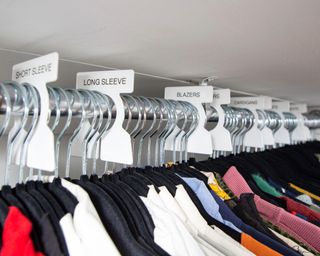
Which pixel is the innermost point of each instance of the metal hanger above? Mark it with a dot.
(35, 101)
(164, 116)
(65, 100)
(172, 125)
(7, 115)
(91, 131)
(188, 110)
(133, 104)
(194, 125)
(76, 131)
(54, 95)
(291, 122)
(235, 129)
(103, 104)
(21, 101)
(183, 113)
(143, 106)
(149, 108)
(175, 125)
(92, 138)
(128, 113)
(250, 119)
(159, 140)
(157, 109)
(6, 101)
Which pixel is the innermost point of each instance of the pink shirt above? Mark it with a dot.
(298, 228)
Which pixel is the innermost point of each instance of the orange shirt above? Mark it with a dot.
(256, 247)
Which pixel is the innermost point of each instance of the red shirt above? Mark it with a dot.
(293, 206)
(16, 240)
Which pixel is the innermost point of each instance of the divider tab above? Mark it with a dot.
(221, 138)
(252, 138)
(200, 140)
(116, 144)
(38, 72)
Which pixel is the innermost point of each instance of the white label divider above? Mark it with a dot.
(200, 140)
(38, 72)
(116, 143)
(282, 135)
(315, 133)
(252, 138)
(267, 102)
(221, 138)
(302, 132)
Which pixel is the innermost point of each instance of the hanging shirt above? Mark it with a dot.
(16, 240)
(171, 205)
(181, 241)
(88, 224)
(296, 227)
(307, 200)
(292, 193)
(229, 215)
(294, 206)
(265, 186)
(213, 235)
(73, 241)
(315, 208)
(218, 190)
(257, 248)
(293, 244)
(208, 202)
(214, 185)
(303, 191)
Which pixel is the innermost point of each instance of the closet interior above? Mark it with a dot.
(159, 128)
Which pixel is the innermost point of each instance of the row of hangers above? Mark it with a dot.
(86, 117)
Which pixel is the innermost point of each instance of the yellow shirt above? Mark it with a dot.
(214, 185)
(301, 190)
(219, 191)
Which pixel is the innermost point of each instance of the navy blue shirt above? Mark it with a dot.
(229, 215)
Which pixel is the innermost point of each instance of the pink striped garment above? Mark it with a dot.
(298, 228)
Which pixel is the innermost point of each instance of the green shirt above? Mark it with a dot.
(265, 186)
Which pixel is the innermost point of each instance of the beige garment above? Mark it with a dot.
(292, 244)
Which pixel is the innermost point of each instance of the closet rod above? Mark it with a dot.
(16, 103)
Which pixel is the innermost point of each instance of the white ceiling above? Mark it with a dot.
(268, 47)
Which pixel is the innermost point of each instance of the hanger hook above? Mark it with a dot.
(5, 98)
(21, 101)
(34, 100)
(90, 132)
(65, 127)
(77, 129)
(150, 109)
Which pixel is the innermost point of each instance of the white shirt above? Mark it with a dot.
(181, 242)
(88, 225)
(73, 241)
(214, 236)
(174, 207)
